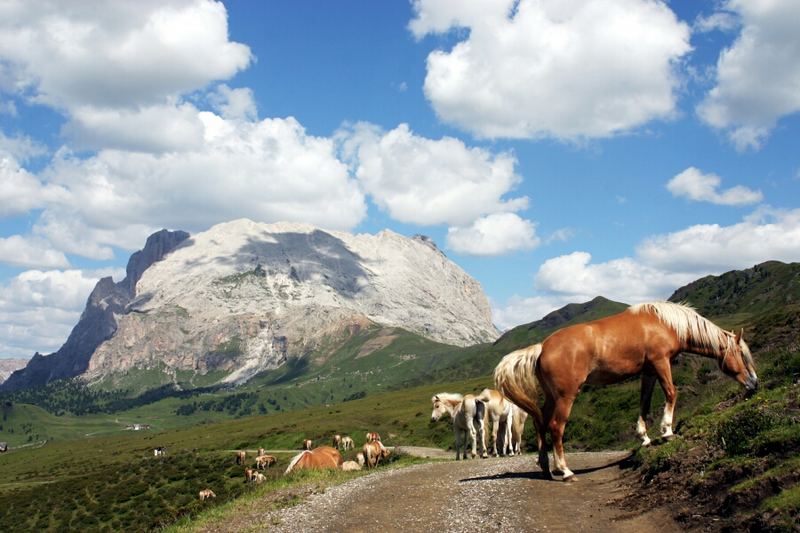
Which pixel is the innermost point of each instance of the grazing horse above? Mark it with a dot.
(261, 451)
(337, 442)
(259, 478)
(499, 411)
(372, 436)
(265, 461)
(347, 443)
(206, 494)
(241, 457)
(249, 474)
(374, 452)
(307, 444)
(640, 340)
(467, 413)
(159, 451)
(323, 457)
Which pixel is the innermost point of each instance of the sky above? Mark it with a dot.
(555, 149)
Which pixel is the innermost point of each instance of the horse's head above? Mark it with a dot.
(439, 408)
(737, 362)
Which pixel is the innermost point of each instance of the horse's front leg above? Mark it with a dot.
(645, 396)
(563, 406)
(664, 373)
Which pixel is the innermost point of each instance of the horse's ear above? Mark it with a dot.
(739, 335)
(435, 398)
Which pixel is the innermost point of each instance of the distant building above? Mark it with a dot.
(137, 427)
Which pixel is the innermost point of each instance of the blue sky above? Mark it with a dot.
(554, 150)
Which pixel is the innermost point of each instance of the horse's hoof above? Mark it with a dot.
(572, 478)
(558, 472)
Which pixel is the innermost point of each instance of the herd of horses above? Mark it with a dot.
(319, 458)
(642, 340)
(543, 380)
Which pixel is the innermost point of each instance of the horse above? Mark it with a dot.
(499, 411)
(360, 459)
(261, 451)
(374, 452)
(249, 474)
(206, 494)
(241, 457)
(519, 416)
(467, 413)
(350, 466)
(259, 478)
(323, 457)
(347, 443)
(307, 444)
(337, 442)
(372, 436)
(159, 451)
(265, 461)
(643, 339)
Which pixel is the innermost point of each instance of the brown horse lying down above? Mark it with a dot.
(323, 457)
(373, 453)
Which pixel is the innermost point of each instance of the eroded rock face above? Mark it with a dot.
(98, 322)
(244, 297)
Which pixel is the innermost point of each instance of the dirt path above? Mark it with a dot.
(496, 494)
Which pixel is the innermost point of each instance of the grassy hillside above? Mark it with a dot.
(114, 482)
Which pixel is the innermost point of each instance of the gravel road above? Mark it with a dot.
(496, 494)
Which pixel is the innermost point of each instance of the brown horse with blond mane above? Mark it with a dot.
(644, 339)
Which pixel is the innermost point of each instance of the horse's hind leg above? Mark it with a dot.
(645, 396)
(473, 440)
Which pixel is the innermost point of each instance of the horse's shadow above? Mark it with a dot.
(624, 462)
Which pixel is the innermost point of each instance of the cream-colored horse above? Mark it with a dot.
(499, 411)
(467, 413)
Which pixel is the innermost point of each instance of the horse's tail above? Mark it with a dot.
(515, 377)
(295, 460)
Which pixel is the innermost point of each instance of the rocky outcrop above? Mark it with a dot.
(7, 366)
(244, 297)
(98, 322)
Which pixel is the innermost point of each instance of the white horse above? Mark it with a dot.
(499, 411)
(347, 443)
(517, 423)
(467, 413)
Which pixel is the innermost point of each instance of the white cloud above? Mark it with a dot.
(625, 279)
(718, 21)
(118, 70)
(157, 128)
(663, 263)
(711, 248)
(549, 68)
(518, 310)
(234, 103)
(39, 308)
(758, 77)
(19, 251)
(695, 185)
(495, 234)
(116, 54)
(268, 171)
(426, 181)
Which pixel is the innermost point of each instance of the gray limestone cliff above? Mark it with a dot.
(98, 322)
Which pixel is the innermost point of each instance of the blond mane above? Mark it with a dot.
(688, 325)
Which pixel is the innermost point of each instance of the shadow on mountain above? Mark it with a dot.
(316, 256)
